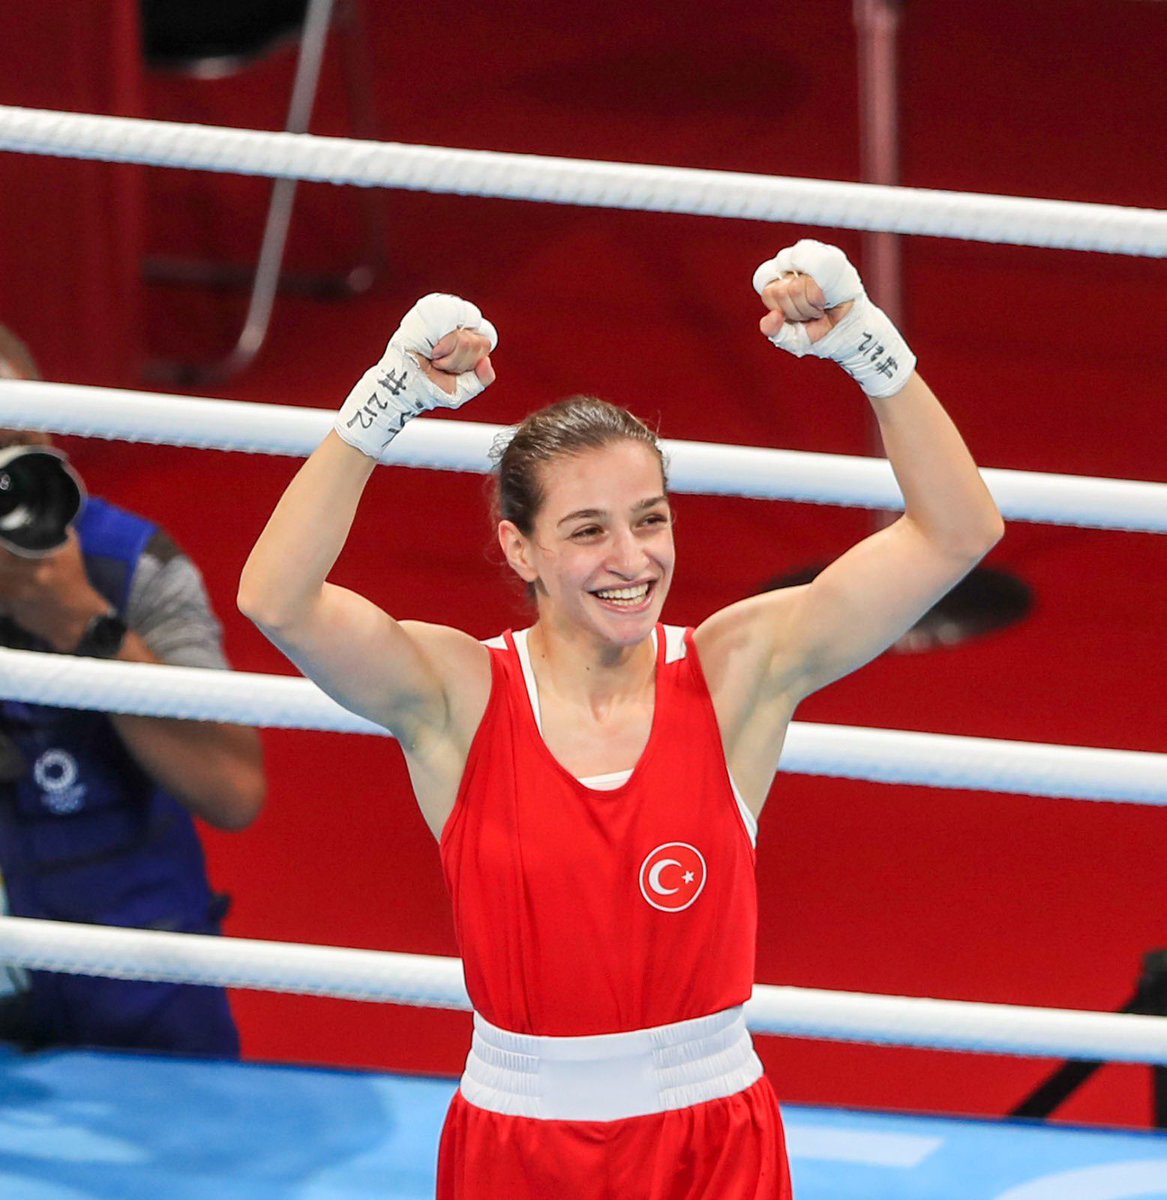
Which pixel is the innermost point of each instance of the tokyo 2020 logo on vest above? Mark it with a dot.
(672, 876)
(56, 774)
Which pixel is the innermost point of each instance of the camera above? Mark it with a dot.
(40, 497)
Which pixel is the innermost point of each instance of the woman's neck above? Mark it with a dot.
(585, 673)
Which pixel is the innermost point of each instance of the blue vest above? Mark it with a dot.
(86, 835)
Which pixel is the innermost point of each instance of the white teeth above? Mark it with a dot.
(625, 594)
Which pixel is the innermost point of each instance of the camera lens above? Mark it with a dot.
(40, 496)
(8, 496)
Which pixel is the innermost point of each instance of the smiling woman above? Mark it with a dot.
(595, 781)
(583, 514)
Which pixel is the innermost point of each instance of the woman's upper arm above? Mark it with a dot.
(739, 647)
(399, 674)
(796, 640)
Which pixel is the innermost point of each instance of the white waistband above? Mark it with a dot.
(610, 1076)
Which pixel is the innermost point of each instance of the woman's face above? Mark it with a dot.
(601, 553)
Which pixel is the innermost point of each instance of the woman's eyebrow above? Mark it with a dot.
(651, 503)
(593, 514)
(581, 514)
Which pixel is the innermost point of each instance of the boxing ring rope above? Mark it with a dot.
(431, 981)
(694, 467)
(1015, 220)
(840, 751)
(887, 755)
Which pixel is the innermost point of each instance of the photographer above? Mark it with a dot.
(96, 809)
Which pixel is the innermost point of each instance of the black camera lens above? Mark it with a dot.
(8, 498)
(40, 496)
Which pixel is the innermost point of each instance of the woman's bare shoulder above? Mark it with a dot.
(462, 665)
(744, 637)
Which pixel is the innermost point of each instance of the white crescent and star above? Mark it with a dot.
(690, 877)
(654, 877)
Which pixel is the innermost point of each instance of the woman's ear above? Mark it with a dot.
(516, 547)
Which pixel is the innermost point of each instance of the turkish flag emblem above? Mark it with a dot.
(672, 876)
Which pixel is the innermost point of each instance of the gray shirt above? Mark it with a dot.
(169, 608)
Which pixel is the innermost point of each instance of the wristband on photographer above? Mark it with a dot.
(103, 637)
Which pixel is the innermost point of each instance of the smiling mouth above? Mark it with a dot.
(625, 597)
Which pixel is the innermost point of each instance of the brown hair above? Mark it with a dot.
(566, 428)
(17, 362)
(16, 357)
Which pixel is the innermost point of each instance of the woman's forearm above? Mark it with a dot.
(214, 770)
(944, 494)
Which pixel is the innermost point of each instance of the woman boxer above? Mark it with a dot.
(595, 780)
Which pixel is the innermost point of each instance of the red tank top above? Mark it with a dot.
(581, 911)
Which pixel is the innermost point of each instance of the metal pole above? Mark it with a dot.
(877, 23)
(275, 234)
(266, 278)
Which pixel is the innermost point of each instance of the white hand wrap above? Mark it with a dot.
(397, 389)
(864, 343)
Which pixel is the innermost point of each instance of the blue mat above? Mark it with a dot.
(81, 1124)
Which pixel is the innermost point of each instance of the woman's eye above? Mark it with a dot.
(587, 531)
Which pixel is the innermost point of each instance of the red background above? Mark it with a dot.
(1049, 360)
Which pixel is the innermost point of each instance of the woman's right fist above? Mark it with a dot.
(438, 358)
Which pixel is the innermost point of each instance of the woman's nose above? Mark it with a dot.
(627, 555)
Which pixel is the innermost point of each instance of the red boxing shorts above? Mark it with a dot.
(727, 1149)
(678, 1112)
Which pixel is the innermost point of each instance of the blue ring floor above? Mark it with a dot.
(81, 1124)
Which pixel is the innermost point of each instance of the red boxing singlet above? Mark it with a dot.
(624, 917)
(581, 911)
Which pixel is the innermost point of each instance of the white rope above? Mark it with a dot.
(695, 467)
(1020, 221)
(116, 953)
(957, 1025)
(879, 755)
(435, 982)
(160, 690)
